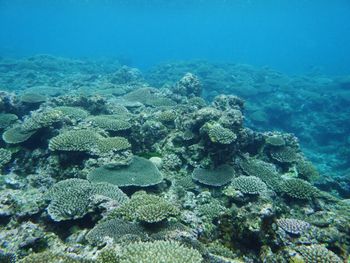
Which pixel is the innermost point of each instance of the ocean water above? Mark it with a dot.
(293, 37)
(174, 131)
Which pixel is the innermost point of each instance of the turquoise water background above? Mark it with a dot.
(291, 36)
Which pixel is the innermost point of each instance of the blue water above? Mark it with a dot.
(291, 36)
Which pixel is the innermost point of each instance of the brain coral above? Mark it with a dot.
(159, 252)
(141, 172)
(216, 177)
(293, 226)
(70, 199)
(248, 185)
(317, 254)
(299, 189)
(115, 229)
(147, 208)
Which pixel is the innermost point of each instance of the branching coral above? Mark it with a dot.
(159, 252)
(70, 199)
(248, 185)
(299, 189)
(147, 208)
(293, 226)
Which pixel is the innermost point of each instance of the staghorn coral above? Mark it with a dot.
(299, 189)
(293, 226)
(140, 172)
(159, 252)
(216, 177)
(317, 254)
(248, 185)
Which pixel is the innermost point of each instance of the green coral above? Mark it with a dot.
(317, 254)
(17, 135)
(147, 208)
(70, 199)
(108, 255)
(219, 134)
(284, 155)
(32, 98)
(167, 116)
(299, 189)
(149, 97)
(275, 140)
(141, 172)
(115, 229)
(5, 156)
(159, 252)
(211, 210)
(42, 119)
(265, 171)
(75, 113)
(215, 177)
(107, 145)
(48, 257)
(87, 141)
(306, 170)
(109, 122)
(34, 122)
(75, 140)
(6, 119)
(248, 185)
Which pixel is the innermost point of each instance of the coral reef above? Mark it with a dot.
(100, 163)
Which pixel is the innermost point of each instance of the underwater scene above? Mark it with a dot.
(179, 131)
